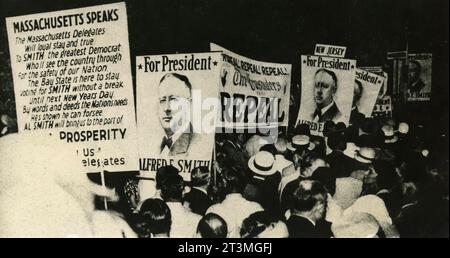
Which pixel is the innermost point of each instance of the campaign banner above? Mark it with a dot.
(329, 50)
(327, 91)
(73, 85)
(383, 105)
(378, 70)
(253, 94)
(419, 77)
(367, 87)
(177, 106)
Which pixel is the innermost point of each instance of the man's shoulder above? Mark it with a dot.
(299, 222)
(191, 215)
(196, 194)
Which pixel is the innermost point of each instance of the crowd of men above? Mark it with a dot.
(371, 179)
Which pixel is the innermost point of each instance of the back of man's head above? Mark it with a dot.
(154, 218)
(212, 226)
(308, 194)
(336, 141)
(234, 182)
(172, 188)
(162, 172)
(263, 224)
(200, 176)
(269, 148)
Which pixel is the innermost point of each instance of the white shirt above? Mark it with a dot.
(234, 209)
(287, 178)
(281, 163)
(184, 222)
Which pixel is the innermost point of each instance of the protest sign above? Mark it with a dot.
(177, 106)
(253, 94)
(367, 87)
(327, 91)
(329, 50)
(419, 77)
(73, 84)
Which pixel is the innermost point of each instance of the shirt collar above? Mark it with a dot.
(310, 220)
(279, 156)
(175, 137)
(325, 109)
(200, 189)
(233, 196)
(175, 205)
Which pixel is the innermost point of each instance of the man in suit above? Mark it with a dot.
(174, 111)
(415, 83)
(197, 199)
(308, 206)
(325, 87)
(184, 221)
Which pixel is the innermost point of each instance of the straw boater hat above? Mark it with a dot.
(389, 134)
(403, 128)
(365, 155)
(262, 163)
(300, 142)
(350, 150)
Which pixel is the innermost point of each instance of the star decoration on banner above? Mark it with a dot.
(215, 63)
(140, 66)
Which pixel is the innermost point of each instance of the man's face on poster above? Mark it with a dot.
(324, 89)
(357, 92)
(174, 104)
(413, 72)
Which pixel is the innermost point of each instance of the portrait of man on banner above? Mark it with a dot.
(174, 111)
(177, 109)
(418, 86)
(326, 92)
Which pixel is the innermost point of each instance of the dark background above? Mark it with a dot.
(278, 31)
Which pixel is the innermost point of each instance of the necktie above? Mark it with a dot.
(318, 114)
(166, 142)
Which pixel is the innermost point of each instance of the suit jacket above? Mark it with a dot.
(332, 113)
(417, 86)
(198, 201)
(181, 146)
(264, 191)
(300, 227)
(342, 165)
(186, 144)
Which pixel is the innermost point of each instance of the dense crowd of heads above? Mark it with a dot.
(374, 178)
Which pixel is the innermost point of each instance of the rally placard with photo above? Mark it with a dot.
(177, 102)
(73, 83)
(253, 94)
(419, 77)
(327, 91)
(367, 88)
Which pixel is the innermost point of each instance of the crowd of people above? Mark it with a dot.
(371, 179)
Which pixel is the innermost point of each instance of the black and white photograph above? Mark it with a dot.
(251, 122)
(177, 105)
(327, 91)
